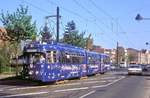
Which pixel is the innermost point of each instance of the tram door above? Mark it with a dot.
(102, 64)
(53, 65)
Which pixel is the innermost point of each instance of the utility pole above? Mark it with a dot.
(57, 22)
(57, 38)
(117, 55)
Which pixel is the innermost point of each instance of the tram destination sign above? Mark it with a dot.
(31, 50)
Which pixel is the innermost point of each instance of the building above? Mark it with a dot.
(126, 56)
(98, 49)
(144, 57)
(133, 55)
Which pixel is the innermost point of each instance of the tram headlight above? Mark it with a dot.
(30, 72)
(42, 66)
(37, 72)
(31, 65)
(48, 67)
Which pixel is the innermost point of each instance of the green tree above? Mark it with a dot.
(19, 26)
(73, 37)
(4, 58)
(46, 34)
(131, 58)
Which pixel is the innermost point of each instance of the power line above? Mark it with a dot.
(90, 13)
(100, 9)
(42, 10)
(108, 15)
(76, 14)
(69, 11)
(130, 42)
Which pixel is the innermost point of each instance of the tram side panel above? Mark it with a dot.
(92, 63)
(73, 64)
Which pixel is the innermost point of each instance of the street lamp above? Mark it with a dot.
(139, 17)
(147, 43)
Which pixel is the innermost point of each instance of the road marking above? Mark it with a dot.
(4, 88)
(92, 79)
(108, 83)
(109, 78)
(1, 90)
(26, 94)
(73, 89)
(22, 88)
(115, 81)
(93, 82)
(73, 84)
(87, 94)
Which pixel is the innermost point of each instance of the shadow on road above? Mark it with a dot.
(18, 81)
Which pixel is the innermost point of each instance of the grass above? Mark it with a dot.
(7, 69)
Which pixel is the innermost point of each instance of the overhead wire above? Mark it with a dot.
(111, 17)
(101, 9)
(69, 11)
(39, 8)
(76, 14)
(90, 13)
(46, 20)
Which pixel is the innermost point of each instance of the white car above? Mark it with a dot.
(135, 69)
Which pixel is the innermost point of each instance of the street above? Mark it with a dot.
(110, 85)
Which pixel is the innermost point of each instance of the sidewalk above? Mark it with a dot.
(6, 75)
(147, 88)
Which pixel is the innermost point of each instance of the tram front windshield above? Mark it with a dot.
(35, 58)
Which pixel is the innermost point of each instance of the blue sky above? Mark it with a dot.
(108, 21)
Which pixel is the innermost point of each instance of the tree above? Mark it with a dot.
(45, 33)
(19, 24)
(4, 58)
(73, 37)
(131, 58)
(19, 27)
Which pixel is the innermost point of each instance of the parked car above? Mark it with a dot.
(135, 69)
(146, 67)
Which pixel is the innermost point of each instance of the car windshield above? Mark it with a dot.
(134, 66)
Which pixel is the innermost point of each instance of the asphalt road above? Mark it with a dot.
(111, 85)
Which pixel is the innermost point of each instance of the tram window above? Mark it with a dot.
(92, 60)
(63, 58)
(67, 58)
(51, 56)
(102, 60)
(54, 56)
(36, 57)
(75, 60)
(81, 59)
(106, 60)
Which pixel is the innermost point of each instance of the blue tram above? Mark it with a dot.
(56, 61)
(105, 63)
(93, 62)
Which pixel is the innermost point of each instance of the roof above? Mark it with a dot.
(3, 34)
(3, 30)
